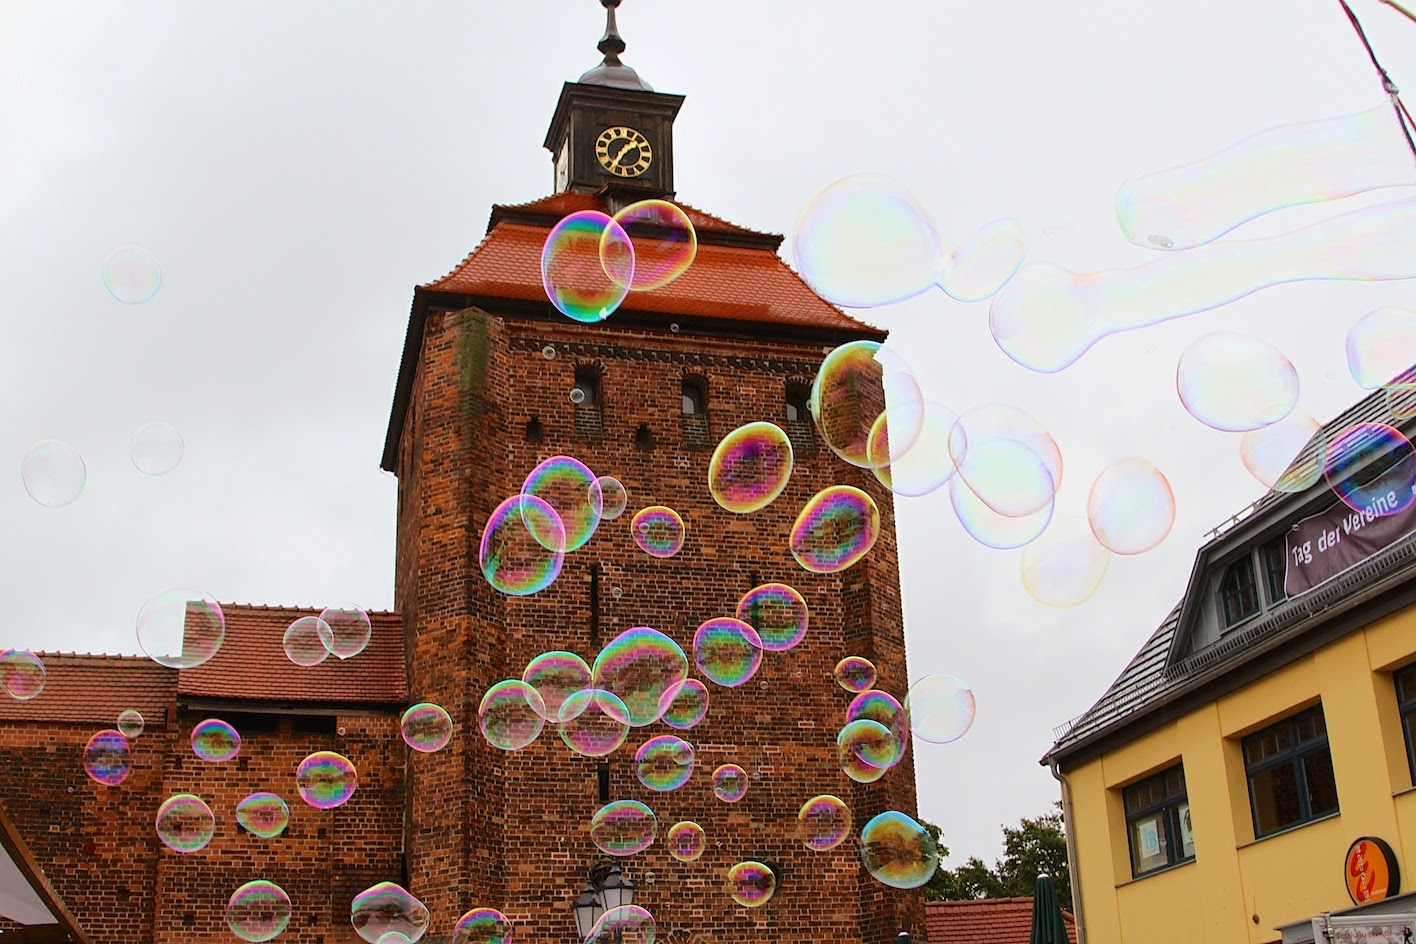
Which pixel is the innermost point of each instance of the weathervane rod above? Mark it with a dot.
(611, 44)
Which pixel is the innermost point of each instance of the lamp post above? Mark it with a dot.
(606, 888)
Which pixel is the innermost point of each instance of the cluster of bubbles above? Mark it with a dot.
(342, 631)
(54, 473)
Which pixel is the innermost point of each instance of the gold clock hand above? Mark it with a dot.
(623, 151)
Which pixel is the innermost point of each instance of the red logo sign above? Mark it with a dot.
(1371, 871)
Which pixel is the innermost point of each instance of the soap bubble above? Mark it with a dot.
(608, 497)
(750, 467)
(684, 704)
(751, 884)
(258, 911)
(304, 641)
(107, 758)
(856, 384)
(156, 448)
(664, 763)
(1271, 454)
(22, 674)
(1372, 468)
(835, 529)
(577, 395)
(556, 676)
(824, 822)
(1234, 382)
(940, 709)
(727, 651)
(987, 526)
(659, 531)
(130, 721)
(53, 473)
(928, 462)
(512, 559)
(855, 673)
(686, 841)
(511, 715)
(263, 814)
(623, 828)
(884, 709)
(1381, 346)
(215, 741)
(387, 907)
(564, 484)
(426, 728)
(131, 275)
(665, 244)
(984, 262)
(1131, 507)
(347, 629)
(1007, 459)
(777, 612)
(325, 780)
(586, 265)
(185, 823)
(627, 924)
(730, 783)
(1065, 565)
(482, 926)
(640, 665)
(181, 628)
(869, 742)
(592, 722)
(898, 851)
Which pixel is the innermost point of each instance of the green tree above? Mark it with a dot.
(1034, 847)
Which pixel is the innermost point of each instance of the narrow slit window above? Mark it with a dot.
(1239, 592)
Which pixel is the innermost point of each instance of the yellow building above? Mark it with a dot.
(1252, 768)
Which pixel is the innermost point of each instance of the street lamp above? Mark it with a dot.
(606, 888)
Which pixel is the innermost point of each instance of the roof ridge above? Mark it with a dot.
(298, 606)
(802, 279)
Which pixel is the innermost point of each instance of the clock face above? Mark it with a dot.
(623, 151)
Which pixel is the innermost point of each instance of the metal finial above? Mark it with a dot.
(611, 44)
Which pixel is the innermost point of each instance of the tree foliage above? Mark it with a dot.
(1034, 847)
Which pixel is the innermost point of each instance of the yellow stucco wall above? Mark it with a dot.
(1285, 877)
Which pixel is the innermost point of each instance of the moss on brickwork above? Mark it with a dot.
(472, 352)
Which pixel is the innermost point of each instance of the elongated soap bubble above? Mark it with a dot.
(1047, 316)
(1235, 382)
(107, 758)
(587, 266)
(984, 262)
(1306, 162)
(564, 484)
(1271, 453)
(1131, 507)
(1381, 346)
(1065, 565)
(835, 529)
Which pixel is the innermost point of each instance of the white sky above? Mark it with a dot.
(298, 168)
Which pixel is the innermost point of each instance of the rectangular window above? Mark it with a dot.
(1274, 556)
(1239, 592)
(1289, 769)
(1406, 701)
(1158, 827)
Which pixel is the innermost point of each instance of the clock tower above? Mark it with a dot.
(612, 134)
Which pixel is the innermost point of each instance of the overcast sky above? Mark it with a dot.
(299, 167)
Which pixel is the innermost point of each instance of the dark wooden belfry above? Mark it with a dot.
(611, 133)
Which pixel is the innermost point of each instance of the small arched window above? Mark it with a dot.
(695, 397)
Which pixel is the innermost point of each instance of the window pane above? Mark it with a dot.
(1406, 683)
(1148, 843)
(1275, 796)
(1187, 832)
(1275, 560)
(1322, 785)
(1238, 592)
(1268, 743)
(793, 414)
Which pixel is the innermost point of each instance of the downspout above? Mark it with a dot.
(1072, 871)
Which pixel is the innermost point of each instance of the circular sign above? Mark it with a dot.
(1370, 871)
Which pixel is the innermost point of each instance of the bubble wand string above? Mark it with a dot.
(1403, 117)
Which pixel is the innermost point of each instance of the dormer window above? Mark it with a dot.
(1239, 591)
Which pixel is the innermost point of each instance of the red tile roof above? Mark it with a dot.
(985, 921)
(563, 204)
(89, 689)
(743, 283)
(252, 664)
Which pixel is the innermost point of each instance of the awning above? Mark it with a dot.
(1390, 921)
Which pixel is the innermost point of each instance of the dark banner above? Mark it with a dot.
(1330, 542)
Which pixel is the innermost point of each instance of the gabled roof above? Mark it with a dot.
(985, 921)
(252, 666)
(93, 689)
(26, 896)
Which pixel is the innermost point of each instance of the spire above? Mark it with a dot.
(611, 71)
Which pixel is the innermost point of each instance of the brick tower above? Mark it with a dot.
(482, 397)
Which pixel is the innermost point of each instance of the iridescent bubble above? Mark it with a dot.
(686, 841)
(107, 758)
(835, 529)
(627, 924)
(131, 275)
(856, 384)
(181, 628)
(1272, 454)
(664, 240)
(156, 448)
(987, 526)
(928, 462)
(664, 763)
(549, 352)
(1047, 317)
(659, 531)
(258, 911)
(898, 851)
(215, 741)
(1131, 507)
(727, 651)
(347, 629)
(130, 721)
(577, 395)
(640, 665)
(750, 467)
(882, 708)
(53, 473)
(730, 783)
(426, 728)
(387, 907)
(623, 828)
(304, 641)
(511, 715)
(1401, 400)
(263, 814)
(855, 673)
(22, 673)
(556, 676)
(482, 926)
(512, 559)
(1307, 162)
(185, 823)
(984, 262)
(1007, 459)
(858, 770)
(1065, 565)
(608, 497)
(586, 265)
(1372, 468)
(1234, 382)
(824, 822)
(684, 704)
(592, 722)
(325, 780)
(868, 741)
(1381, 346)
(751, 884)
(864, 241)
(940, 708)
(777, 612)
(564, 484)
